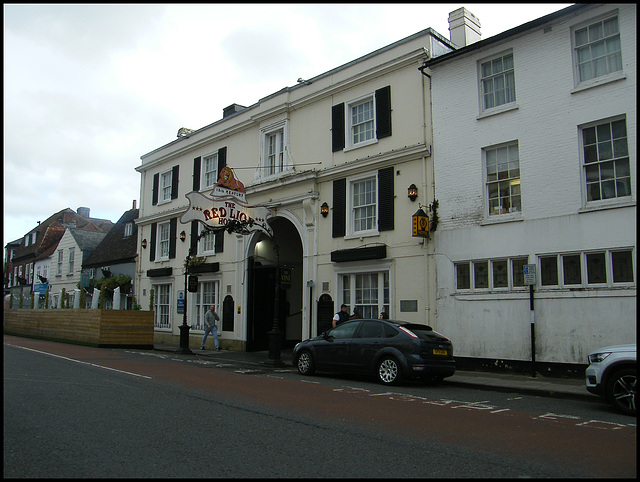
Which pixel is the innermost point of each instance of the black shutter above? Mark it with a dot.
(219, 242)
(339, 207)
(174, 182)
(193, 242)
(152, 242)
(383, 112)
(197, 162)
(222, 159)
(337, 127)
(173, 232)
(385, 200)
(156, 182)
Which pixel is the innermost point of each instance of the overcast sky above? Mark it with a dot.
(89, 89)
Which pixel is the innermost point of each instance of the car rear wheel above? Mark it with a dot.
(306, 365)
(389, 371)
(621, 390)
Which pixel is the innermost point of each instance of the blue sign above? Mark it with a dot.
(180, 302)
(41, 288)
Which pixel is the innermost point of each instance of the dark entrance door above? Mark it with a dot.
(260, 314)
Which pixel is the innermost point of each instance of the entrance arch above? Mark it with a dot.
(262, 283)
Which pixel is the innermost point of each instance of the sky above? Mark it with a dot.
(90, 88)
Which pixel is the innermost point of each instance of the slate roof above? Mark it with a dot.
(116, 248)
(51, 231)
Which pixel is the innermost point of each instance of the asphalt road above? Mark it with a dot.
(73, 411)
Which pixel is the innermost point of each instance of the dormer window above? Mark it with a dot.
(128, 229)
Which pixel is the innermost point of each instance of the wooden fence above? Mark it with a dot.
(102, 328)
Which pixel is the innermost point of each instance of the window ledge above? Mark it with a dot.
(607, 79)
(497, 110)
(360, 144)
(602, 205)
(361, 235)
(502, 218)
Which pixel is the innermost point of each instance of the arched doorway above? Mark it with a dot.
(262, 284)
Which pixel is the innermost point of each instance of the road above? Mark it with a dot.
(74, 411)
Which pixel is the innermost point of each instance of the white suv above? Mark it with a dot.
(612, 374)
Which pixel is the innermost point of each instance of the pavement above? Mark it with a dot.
(542, 386)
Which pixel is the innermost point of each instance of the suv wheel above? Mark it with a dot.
(621, 390)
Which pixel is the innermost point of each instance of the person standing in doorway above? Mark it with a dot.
(341, 316)
(210, 319)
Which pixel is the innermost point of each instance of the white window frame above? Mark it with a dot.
(605, 202)
(60, 258)
(208, 294)
(348, 295)
(163, 235)
(162, 305)
(71, 261)
(351, 206)
(207, 244)
(211, 158)
(350, 143)
(490, 262)
(267, 169)
(513, 179)
(584, 270)
(128, 229)
(612, 72)
(165, 186)
(508, 74)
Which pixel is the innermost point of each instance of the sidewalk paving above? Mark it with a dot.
(541, 386)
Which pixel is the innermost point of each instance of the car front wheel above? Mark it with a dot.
(306, 366)
(389, 372)
(621, 390)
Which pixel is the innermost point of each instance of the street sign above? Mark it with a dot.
(529, 274)
(84, 280)
(41, 288)
(193, 284)
(420, 224)
(180, 302)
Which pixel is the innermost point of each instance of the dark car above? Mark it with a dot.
(389, 349)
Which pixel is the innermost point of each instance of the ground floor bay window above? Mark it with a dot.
(162, 305)
(365, 293)
(208, 294)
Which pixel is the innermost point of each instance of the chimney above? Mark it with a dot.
(134, 204)
(84, 212)
(464, 27)
(232, 109)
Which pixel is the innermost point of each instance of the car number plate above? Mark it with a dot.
(436, 351)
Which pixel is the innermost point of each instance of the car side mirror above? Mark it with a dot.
(327, 336)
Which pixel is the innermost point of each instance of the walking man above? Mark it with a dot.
(210, 326)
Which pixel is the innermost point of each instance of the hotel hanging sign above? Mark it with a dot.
(226, 202)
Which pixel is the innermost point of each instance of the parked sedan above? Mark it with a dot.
(389, 349)
(612, 375)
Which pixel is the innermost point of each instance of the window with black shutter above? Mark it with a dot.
(337, 127)
(156, 183)
(196, 173)
(173, 233)
(174, 182)
(383, 112)
(386, 216)
(339, 207)
(152, 242)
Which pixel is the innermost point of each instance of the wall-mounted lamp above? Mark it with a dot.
(144, 244)
(412, 192)
(324, 209)
(183, 236)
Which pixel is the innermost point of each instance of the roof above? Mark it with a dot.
(51, 230)
(116, 248)
(86, 240)
(516, 31)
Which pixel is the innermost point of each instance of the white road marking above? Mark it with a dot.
(81, 362)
